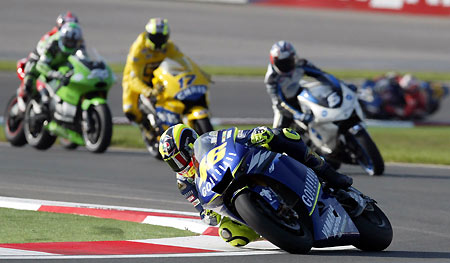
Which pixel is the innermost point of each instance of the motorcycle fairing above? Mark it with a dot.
(340, 111)
(221, 159)
(330, 221)
(167, 117)
(191, 93)
(218, 164)
(318, 98)
(89, 77)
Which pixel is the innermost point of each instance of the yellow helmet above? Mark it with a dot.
(176, 147)
(158, 33)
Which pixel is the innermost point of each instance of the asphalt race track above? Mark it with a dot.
(413, 197)
(215, 34)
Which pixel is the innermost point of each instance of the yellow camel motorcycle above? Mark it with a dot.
(182, 98)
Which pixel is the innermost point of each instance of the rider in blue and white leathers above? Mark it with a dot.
(176, 148)
(282, 80)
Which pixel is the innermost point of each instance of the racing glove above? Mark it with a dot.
(261, 136)
(54, 74)
(151, 92)
(306, 118)
(210, 217)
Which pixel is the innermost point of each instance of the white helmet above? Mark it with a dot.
(283, 57)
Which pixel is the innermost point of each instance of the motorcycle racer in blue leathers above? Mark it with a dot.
(176, 149)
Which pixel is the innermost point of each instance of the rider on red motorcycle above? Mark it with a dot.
(406, 97)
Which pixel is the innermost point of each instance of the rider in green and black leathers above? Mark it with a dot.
(31, 74)
(56, 50)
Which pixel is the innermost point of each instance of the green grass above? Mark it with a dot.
(429, 145)
(20, 226)
(260, 71)
(127, 136)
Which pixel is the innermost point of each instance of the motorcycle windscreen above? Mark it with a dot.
(323, 95)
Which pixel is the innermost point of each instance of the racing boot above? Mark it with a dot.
(333, 178)
(146, 129)
(235, 233)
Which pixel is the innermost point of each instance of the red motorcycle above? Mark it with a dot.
(15, 110)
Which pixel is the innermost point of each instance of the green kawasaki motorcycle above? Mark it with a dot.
(73, 108)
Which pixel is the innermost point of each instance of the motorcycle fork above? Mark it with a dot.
(87, 121)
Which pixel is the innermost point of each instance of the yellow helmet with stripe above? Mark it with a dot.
(158, 33)
(176, 147)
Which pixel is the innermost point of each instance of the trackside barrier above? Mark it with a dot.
(419, 7)
(423, 7)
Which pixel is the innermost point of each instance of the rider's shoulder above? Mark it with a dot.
(271, 76)
(141, 38)
(51, 45)
(173, 49)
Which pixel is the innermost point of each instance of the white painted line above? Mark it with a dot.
(193, 225)
(197, 242)
(210, 243)
(184, 255)
(18, 205)
(419, 165)
(19, 252)
(19, 202)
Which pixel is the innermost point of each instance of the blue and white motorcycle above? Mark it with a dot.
(283, 200)
(338, 131)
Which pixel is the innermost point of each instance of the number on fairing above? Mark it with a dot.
(189, 79)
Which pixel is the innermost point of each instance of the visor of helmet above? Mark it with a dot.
(70, 42)
(159, 39)
(179, 161)
(285, 65)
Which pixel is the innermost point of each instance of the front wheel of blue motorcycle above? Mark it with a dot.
(290, 233)
(374, 228)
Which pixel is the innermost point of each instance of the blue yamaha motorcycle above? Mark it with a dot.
(283, 200)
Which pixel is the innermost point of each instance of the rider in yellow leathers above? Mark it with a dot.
(146, 53)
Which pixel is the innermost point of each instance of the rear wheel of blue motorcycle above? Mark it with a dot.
(374, 228)
(293, 237)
